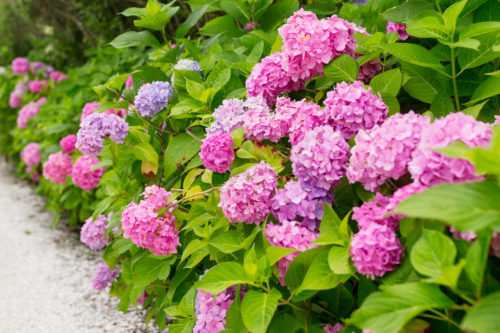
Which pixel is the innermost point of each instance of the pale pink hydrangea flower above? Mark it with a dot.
(82, 176)
(320, 159)
(386, 150)
(31, 154)
(88, 109)
(57, 167)
(429, 167)
(228, 116)
(68, 143)
(351, 108)
(290, 234)
(250, 25)
(217, 153)
(142, 298)
(376, 250)
(398, 28)
(15, 100)
(246, 197)
(93, 233)
(146, 228)
(26, 113)
(260, 123)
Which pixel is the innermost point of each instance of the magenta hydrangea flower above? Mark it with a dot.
(290, 234)
(15, 100)
(374, 212)
(57, 76)
(41, 101)
(20, 66)
(152, 98)
(88, 109)
(142, 298)
(269, 80)
(93, 233)
(36, 86)
(320, 159)
(400, 29)
(68, 143)
(294, 203)
(129, 82)
(31, 154)
(217, 153)
(386, 150)
(57, 167)
(211, 311)
(259, 123)
(228, 117)
(495, 244)
(246, 197)
(351, 107)
(333, 329)
(96, 127)
(103, 276)
(82, 176)
(146, 228)
(469, 236)
(429, 167)
(26, 113)
(369, 69)
(376, 250)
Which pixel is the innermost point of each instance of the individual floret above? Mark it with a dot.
(57, 167)
(217, 152)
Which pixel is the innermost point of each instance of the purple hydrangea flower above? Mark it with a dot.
(246, 197)
(217, 153)
(211, 311)
(103, 276)
(228, 117)
(320, 159)
(93, 233)
(188, 65)
(95, 128)
(152, 98)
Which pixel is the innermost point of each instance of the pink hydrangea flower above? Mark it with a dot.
(333, 329)
(81, 174)
(41, 101)
(21, 66)
(211, 311)
(259, 123)
(351, 108)
(270, 80)
(469, 236)
(290, 234)
(142, 298)
(142, 224)
(36, 86)
(103, 276)
(246, 197)
(217, 153)
(320, 159)
(429, 167)
(400, 29)
(57, 167)
(93, 233)
(31, 154)
(386, 150)
(68, 143)
(88, 109)
(376, 250)
(26, 113)
(129, 82)
(250, 25)
(15, 100)
(369, 69)
(374, 212)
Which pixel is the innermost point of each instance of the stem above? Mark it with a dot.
(454, 78)
(438, 7)
(172, 204)
(193, 136)
(164, 35)
(445, 318)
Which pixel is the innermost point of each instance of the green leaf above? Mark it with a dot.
(145, 152)
(422, 83)
(227, 242)
(149, 269)
(407, 10)
(191, 20)
(257, 309)
(474, 110)
(477, 257)
(488, 88)
(468, 58)
(196, 90)
(234, 321)
(388, 82)
(451, 14)
(442, 105)
(180, 150)
(388, 310)
(134, 38)
(428, 24)
(275, 253)
(343, 68)
(278, 12)
(414, 54)
(192, 247)
(483, 317)
(332, 229)
(223, 276)
(467, 206)
(478, 29)
(338, 259)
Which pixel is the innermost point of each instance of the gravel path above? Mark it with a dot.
(45, 275)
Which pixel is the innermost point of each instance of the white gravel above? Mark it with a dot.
(45, 275)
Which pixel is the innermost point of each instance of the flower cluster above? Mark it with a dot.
(31, 154)
(369, 69)
(82, 176)
(259, 123)
(385, 151)
(103, 276)
(15, 99)
(20, 66)
(93, 233)
(217, 153)
(57, 167)
(319, 160)
(152, 98)
(68, 143)
(146, 227)
(95, 128)
(351, 108)
(374, 212)
(228, 117)
(290, 234)
(333, 329)
(429, 167)
(88, 109)
(188, 65)
(211, 311)
(400, 29)
(36, 86)
(26, 113)
(57, 76)
(246, 197)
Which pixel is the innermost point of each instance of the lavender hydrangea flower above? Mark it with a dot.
(95, 128)
(103, 276)
(211, 311)
(152, 98)
(188, 65)
(228, 117)
(93, 233)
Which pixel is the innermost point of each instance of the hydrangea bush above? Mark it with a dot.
(332, 168)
